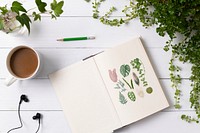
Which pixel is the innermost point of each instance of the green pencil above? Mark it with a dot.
(76, 38)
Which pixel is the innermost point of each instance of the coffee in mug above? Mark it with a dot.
(23, 62)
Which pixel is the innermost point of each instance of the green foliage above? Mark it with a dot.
(24, 20)
(1, 24)
(170, 17)
(41, 5)
(189, 119)
(125, 70)
(36, 16)
(17, 7)
(19, 13)
(57, 7)
(3, 10)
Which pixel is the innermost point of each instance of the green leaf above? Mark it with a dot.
(24, 20)
(122, 99)
(1, 24)
(132, 84)
(17, 7)
(36, 16)
(125, 70)
(57, 7)
(131, 96)
(41, 5)
(136, 79)
(4, 10)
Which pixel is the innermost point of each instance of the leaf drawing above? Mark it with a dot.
(120, 85)
(132, 84)
(149, 90)
(131, 96)
(127, 83)
(125, 70)
(136, 79)
(122, 99)
(113, 75)
(136, 63)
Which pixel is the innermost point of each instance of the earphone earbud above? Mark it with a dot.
(23, 98)
(37, 116)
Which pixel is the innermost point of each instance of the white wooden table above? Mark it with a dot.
(77, 21)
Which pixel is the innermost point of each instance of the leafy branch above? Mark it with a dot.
(170, 17)
(9, 16)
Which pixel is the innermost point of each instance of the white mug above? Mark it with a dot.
(12, 76)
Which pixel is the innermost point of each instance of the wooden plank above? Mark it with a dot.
(43, 97)
(55, 122)
(45, 33)
(77, 7)
(52, 122)
(55, 59)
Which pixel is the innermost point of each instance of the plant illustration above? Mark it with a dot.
(113, 75)
(120, 85)
(136, 79)
(138, 65)
(132, 96)
(125, 70)
(122, 98)
(149, 90)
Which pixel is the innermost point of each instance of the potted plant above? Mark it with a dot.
(16, 16)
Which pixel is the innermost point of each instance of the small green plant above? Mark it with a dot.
(173, 18)
(16, 16)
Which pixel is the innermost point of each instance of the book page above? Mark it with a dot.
(131, 81)
(84, 99)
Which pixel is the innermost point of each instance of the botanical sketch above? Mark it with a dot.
(131, 85)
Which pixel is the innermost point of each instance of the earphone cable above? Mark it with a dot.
(38, 127)
(19, 115)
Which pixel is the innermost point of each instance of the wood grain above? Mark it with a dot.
(77, 21)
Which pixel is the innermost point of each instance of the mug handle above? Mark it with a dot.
(10, 80)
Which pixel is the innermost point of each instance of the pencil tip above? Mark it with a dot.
(91, 37)
(59, 39)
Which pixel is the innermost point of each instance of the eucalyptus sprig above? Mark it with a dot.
(9, 16)
(172, 17)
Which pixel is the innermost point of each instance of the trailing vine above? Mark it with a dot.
(171, 17)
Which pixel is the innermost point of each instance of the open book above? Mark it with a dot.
(110, 90)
